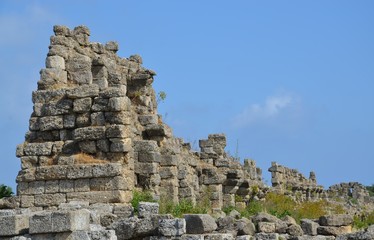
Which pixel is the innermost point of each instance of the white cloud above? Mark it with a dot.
(273, 107)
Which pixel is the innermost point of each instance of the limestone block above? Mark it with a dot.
(82, 105)
(119, 104)
(29, 162)
(62, 40)
(336, 220)
(59, 50)
(118, 131)
(103, 145)
(51, 123)
(266, 236)
(118, 118)
(13, 225)
(169, 160)
(66, 186)
(199, 223)
(69, 121)
(46, 200)
(79, 69)
(111, 46)
(27, 201)
(51, 186)
(146, 209)
(168, 172)
(295, 230)
(98, 119)
(264, 217)
(38, 149)
(89, 133)
(107, 170)
(88, 146)
(48, 96)
(266, 227)
(20, 151)
(148, 119)
(82, 185)
(34, 124)
(125, 228)
(149, 157)
(101, 196)
(36, 187)
(26, 175)
(53, 172)
(172, 227)
(146, 168)
(120, 145)
(83, 120)
(79, 171)
(309, 227)
(146, 146)
(83, 91)
(123, 210)
(333, 231)
(113, 92)
(52, 76)
(219, 236)
(63, 106)
(97, 47)
(245, 227)
(60, 221)
(103, 235)
(100, 104)
(55, 62)
(244, 237)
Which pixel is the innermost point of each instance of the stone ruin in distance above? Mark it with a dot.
(95, 136)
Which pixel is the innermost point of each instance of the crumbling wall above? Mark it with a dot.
(95, 135)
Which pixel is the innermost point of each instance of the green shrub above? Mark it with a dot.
(183, 207)
(140, 196)
(364, 220)
(5, 191)
(252, 208)
(279, 205)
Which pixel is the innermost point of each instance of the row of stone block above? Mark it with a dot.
(63, 172)
(78, 185)
(54, 199)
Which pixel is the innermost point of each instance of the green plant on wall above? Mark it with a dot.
(161, 96)
(5, 191)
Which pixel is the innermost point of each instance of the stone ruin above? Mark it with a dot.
(95, 136)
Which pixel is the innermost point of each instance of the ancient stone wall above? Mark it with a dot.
(95, 135)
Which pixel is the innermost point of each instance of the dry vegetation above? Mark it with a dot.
(83, 158)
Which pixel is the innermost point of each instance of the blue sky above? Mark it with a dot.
(289, 81)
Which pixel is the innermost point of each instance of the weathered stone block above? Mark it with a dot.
(51, 186)
(38, 149)
(48, 96)
(51, 123)
(102, 235)
(168, 172)
(295, 230)
(55, 62)
(146, 146)
(266, 227)
(52, 76)
(107, 170)
(113, 92)
(88, 146)
(36, 187)
(309, 227)
(118, 131)
(336, 220)
(79, 171)
(83, 120)
(13, 225)
(69, 121)
(53, 109)
(146, 209)
(89, 133)
(119, 104)
(146, 168)
(219, 236)
(333, 231)
(82, 105)
(29, 162)
(66, 186)
(148, 119)
(83, 91)
(98, 119)
(120, 145)
(27, 201)
(172, 227)
(82, 185)
(60, 221)
(46, 200)
(266, 236)
(100, 104)
(118, 118)
(169, 160)
(54, 172)
(149, 157)
(199, 223)
(101, 196)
